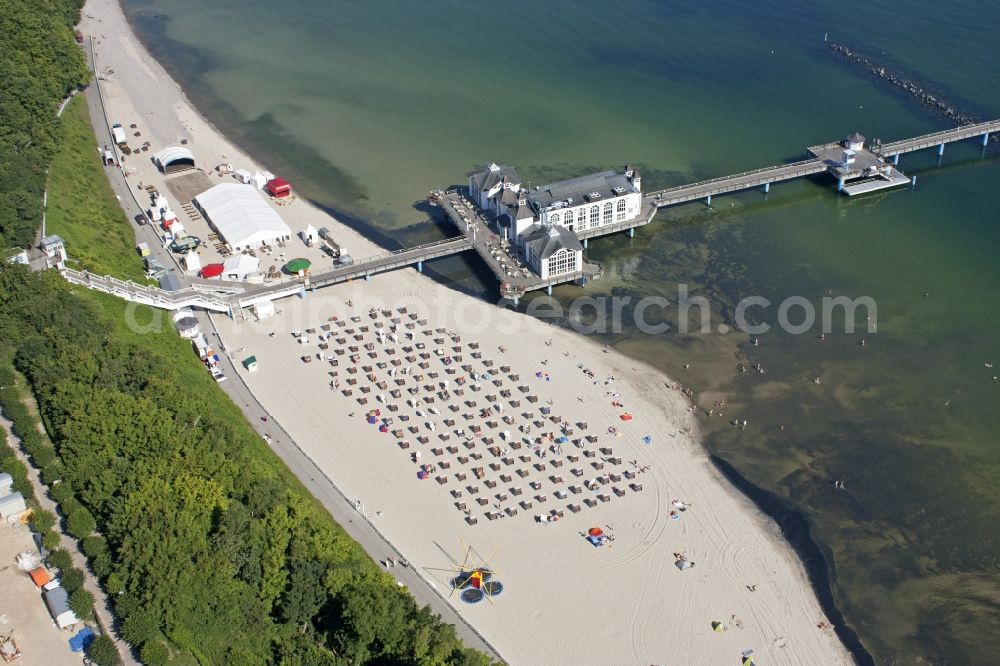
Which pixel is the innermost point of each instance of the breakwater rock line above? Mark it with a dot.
(906, 85)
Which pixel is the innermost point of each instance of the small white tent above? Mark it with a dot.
(57, 599)
(192, 262)
(259, 179)
(310, 235)
(12, 505)
(264, 309)
(240, 266)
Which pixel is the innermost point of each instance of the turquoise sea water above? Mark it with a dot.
(368, 106)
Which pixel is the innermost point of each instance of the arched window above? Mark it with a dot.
(595, 216)
(608, 212)
(620, 210)
(554, 218)
(581, 219)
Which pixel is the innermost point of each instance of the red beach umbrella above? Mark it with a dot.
(211, 270)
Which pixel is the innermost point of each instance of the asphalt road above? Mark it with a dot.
(312, 477)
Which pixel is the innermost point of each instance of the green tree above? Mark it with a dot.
(42, 521)
(81, 523)
(51, 539)
(139, 627)
(95, 545)
(72, 579)
(103, 652)
(43, 456)
(59, 559)
(81, 602)
(305, 593)
(155, 653)
(61, 491)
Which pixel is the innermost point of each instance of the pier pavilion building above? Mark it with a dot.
(544, 220)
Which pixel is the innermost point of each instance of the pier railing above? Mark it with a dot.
(152, 296)
(938, 138)
(735, 182)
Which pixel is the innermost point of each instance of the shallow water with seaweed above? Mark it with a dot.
(368, 106)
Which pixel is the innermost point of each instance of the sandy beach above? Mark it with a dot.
(565, 600)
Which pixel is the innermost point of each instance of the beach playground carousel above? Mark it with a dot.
(475, 582)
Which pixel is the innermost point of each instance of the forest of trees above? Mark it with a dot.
(212, 551)
(206, 542)
(39, 64)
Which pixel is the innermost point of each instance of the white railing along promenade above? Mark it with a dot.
(153, 296)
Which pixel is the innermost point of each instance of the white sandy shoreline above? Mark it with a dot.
(565, 601)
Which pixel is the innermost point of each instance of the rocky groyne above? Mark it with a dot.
(904, 84)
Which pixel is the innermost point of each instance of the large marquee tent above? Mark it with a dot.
(241, 216)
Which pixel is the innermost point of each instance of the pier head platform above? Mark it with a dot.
(857, 169)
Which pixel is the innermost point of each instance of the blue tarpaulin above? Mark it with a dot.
(82, 640)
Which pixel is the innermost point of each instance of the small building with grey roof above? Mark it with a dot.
(552, 250)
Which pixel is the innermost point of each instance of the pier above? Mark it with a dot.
(858, 168)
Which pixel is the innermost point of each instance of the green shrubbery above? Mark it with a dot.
(39, 65)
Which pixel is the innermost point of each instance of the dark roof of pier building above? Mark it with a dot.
(546, 240)
(488, 177)
(575, 191)
(506, 197)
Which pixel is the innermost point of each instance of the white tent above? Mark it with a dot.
(192, 262)
(178, 230)
(241, 216)
(243, 176)
(161, 202)
(12, 505)
(259, 179)
(174, 158)
(57, 599)
(6, 483)
(264, 309)
(239, 266)
(310, 235)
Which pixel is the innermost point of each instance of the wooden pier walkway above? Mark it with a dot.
(363, 269)
(477, 235)
(940, 138)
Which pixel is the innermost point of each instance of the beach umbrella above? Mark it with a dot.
(421, 475)
(562, 440)
(595, 531)
(372, 420)
(297, 265)
(647, 440)
(383, 428)
(211, 270)
(626, 417)
(718, 626)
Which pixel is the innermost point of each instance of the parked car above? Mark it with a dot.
(185, 244)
